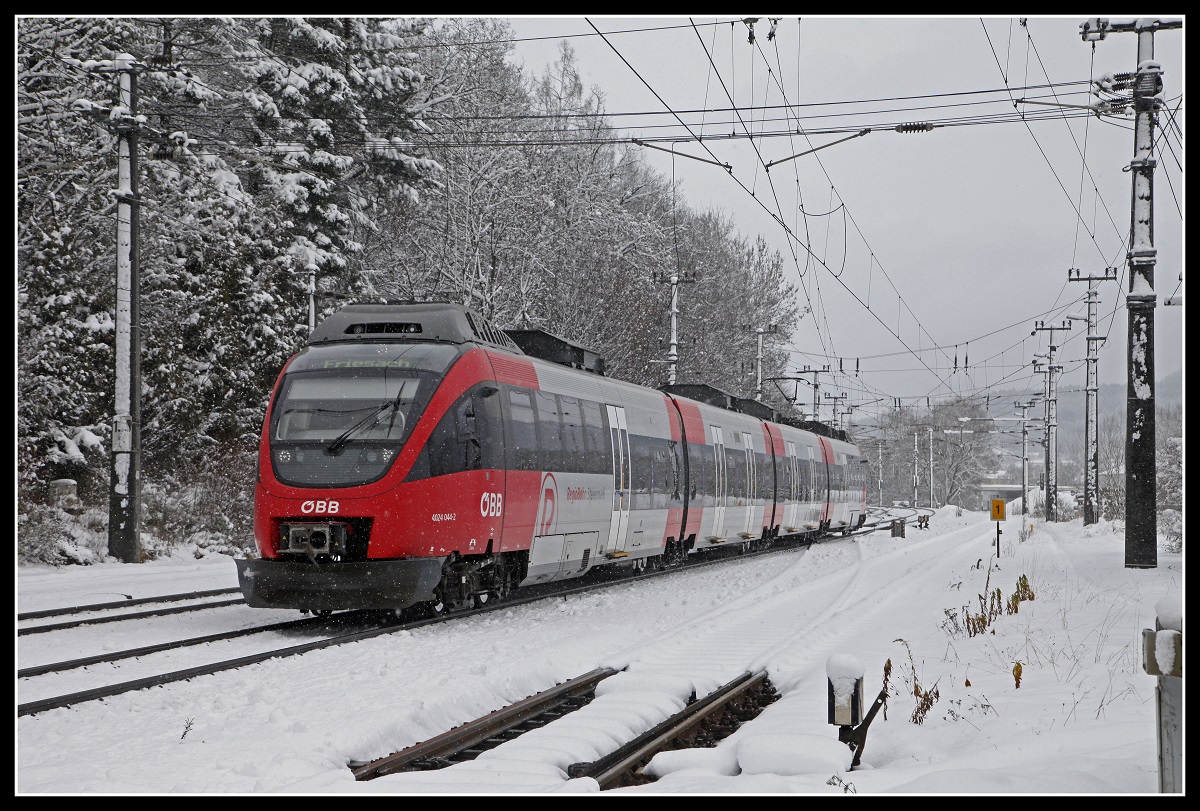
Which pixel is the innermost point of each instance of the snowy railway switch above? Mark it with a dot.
(897, 527)
(845, 675)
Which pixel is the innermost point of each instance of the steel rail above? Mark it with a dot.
(166, 598)
(55, 702)
(438, 751)
(58, 626)
(621, 766)
(54, 667)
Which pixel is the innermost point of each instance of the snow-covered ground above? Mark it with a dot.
(1077, 717)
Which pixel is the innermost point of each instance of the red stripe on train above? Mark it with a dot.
(514, 371)
(693, 423)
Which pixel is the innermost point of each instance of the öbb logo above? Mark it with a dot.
(547, 517)
(491, 504)
(319, 507)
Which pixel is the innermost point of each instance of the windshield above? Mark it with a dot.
(323, 407)
(342, 415)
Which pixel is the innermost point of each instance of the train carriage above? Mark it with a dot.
(847, 485)
(413, 454)
(731, 473)
(806, 482)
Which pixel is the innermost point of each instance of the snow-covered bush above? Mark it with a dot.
(52, 536)
(1037, 501)
(207, 501)
(1170, 527)
(1068, 509)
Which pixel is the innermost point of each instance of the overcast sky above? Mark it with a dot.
(958, 238)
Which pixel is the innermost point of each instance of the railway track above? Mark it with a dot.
(115, 656)
(129, 601)
(391, 624)
(704, 722)
(119, 617)
(468, 740)
(54, 702)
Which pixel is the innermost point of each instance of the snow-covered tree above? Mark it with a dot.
(65, 267)
(265, 143)
(1168, 457)
(370, 157)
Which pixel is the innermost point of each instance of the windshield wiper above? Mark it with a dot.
(369, 421)
(340, 441)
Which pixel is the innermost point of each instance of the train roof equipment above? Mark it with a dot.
(444, 322)
(545, 345)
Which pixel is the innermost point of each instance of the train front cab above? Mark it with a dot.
(371, 524)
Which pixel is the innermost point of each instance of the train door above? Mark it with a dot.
(751, 489)
(793, 490)
(823, 467)
(619, 525)
(816, 493)
(718, 482)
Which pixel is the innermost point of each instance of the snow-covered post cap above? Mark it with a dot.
(1162, 648)
(845, 674)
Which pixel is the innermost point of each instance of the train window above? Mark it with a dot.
(661, 479)
(596, 441)
(700, 476)
(549, 430)
(522, 448)
(673, 488)
(442, 449)
(837, 480)
(322, 407)
(642, 473)
(658, 476)
(574, 459)
(766, 479)
(344, 426)
(466, 438)
(735, 471)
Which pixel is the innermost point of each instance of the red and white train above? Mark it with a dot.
(415, 454)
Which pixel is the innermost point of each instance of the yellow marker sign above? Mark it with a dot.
(997, 509)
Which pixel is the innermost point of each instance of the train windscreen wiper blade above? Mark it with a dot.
(369, 421)
(340, 441)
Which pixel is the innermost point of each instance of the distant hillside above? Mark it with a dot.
(1072, 403)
